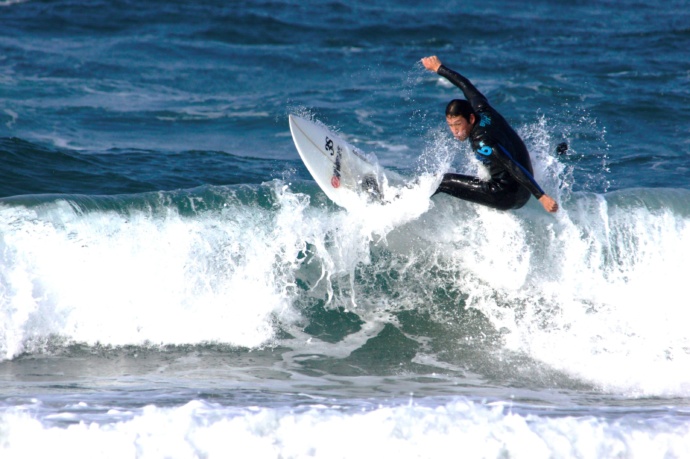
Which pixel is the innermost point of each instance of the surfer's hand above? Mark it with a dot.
(549, 204)
(431, 63)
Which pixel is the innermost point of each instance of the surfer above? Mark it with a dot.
(495, 144)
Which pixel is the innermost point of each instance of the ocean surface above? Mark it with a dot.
(174, 284)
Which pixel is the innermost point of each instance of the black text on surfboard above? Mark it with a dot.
(338, 152)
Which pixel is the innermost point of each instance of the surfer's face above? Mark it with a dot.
(459, 126)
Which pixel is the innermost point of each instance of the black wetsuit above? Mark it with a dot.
(500, 148)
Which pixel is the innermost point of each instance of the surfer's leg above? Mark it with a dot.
(488, 193)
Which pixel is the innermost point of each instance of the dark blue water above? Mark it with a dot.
(171, 276)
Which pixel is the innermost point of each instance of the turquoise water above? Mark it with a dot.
(173, 283)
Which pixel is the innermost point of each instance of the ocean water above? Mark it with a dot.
(173, 283)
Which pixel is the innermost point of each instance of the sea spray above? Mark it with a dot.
(595, 292)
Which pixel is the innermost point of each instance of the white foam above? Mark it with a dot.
(596, 291)
(156, 277)
(114, 279)
(460, 427)
(616, 300)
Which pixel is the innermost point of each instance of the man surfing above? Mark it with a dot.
(496, 145)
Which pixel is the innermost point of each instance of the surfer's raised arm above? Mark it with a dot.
(472, 94)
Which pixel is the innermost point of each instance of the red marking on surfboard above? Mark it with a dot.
(335, 181)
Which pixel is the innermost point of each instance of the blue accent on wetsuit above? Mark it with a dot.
(500, 148)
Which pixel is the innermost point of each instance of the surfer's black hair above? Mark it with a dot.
(459, 107)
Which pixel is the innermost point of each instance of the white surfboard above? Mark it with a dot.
(342, 172)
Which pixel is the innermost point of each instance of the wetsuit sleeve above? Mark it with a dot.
(472, 94)
(517, 171)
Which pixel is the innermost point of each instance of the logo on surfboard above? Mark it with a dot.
(338, 152)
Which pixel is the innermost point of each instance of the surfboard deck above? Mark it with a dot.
(340, 170)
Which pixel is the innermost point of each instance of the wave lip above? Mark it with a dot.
(116, 272)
